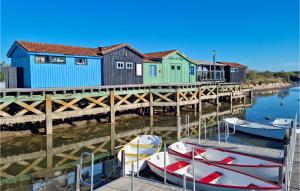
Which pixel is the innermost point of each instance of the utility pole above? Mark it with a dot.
(214, 61)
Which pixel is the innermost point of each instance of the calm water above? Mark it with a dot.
(24, 159)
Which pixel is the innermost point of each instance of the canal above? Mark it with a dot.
(27, 161)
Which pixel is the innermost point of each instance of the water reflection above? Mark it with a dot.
(25, 158)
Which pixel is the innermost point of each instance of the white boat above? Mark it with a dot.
(265, 169)
(208, 177)
(257, 129)
(283, 122)
(140, 148)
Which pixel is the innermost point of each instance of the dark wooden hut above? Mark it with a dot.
(234, 72)
(122, 64)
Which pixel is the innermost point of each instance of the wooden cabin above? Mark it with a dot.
(234, 72)
(205, 71)
(122, 64)
(168, 67)
(53, 65)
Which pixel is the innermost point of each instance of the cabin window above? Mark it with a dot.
(172, 67)
(233, 70)
(192, 70)
(120, 65)
(80, 61)
(41, 59)
(58, 59)
(139, 70)
(178, 67)
(129, 65)
(153, 71)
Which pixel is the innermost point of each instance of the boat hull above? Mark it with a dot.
(261, 132)
(255, 166)
(174, 178)
(267, 173)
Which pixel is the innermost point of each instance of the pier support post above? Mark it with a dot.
(48, 114)
(151, 103)
(112, 107)
(199, 100)
(49, 140)
(112, 138)
(177, 103)
(217, 99)
(231, 99)
(178, 128)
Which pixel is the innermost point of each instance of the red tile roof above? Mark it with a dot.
(158, 55)
(107, 49)
(233, 64)
(56, 48)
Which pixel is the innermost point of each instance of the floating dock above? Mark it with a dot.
(140, 184)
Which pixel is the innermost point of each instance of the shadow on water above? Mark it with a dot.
(33, 158)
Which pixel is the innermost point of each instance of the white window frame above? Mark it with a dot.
(121, 67)
(41, 59)
(139, 69)
(81, 63)
(55, 58)
(233, 70)
(129, 63)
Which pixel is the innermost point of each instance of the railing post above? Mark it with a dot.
(92, 173)
(193, 163)
(132, 177)
(205, 124)
(199, 130)
(184, 182)
(188, 125)
(280, 175)
(123, 162)
(48, 113)
(165, 165)
(137, 157)
(77, 179)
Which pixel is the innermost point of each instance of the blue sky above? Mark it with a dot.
(263, 34)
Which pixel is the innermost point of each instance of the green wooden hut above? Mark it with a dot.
(168, 67)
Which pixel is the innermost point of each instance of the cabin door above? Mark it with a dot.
(175, 73)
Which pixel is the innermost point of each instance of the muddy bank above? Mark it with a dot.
(267, 87)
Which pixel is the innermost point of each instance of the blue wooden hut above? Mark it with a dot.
(53, 65)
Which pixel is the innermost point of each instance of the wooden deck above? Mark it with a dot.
(140, 184)
(295, 178)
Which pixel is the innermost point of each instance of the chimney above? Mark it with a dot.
(100, 48)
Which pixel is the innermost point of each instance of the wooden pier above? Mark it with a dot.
(295, 174)
(19, 106)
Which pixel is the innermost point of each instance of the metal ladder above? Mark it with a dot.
(79, 179)
(227, 132)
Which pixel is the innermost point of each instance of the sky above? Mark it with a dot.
(262, 34)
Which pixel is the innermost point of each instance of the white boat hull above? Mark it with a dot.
(270, 133)
(139, 149)
(267, 173)
(256, 129)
